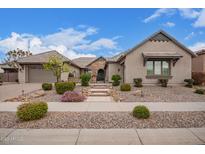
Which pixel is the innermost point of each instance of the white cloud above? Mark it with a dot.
(189, 13)
(159, 13)
(186, 13)
(189, 36)
(65, 41)
(169, 24)
(200, 22)
(101, 43)
(197, 46)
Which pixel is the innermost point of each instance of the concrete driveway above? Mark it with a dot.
(14, 89)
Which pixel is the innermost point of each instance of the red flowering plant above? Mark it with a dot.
(72, 96)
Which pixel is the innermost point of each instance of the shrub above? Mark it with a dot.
(85, 78)
(189, 82)
(62, 87)
(141, 112)
(138, 82)
(116, 80)
(47, 86)
(32, 111)
(72, 96)
(200, 91)
(125, 87)
(163, 82)
(199, 78)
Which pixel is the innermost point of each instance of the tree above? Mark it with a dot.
(13, 55)
(57, 66)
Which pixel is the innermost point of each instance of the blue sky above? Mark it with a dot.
(100, 32)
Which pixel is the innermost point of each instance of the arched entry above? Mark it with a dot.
(101, 75)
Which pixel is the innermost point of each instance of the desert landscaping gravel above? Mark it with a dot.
(150, 94)
(106, 120)
(161, 94)
(41, 95)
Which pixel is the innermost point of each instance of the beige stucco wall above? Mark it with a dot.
(198, 64)
(134, 67)
(112, 69)
(64, 75)
(22, 77)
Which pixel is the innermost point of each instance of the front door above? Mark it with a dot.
(101, 75)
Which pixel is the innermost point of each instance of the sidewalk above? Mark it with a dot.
(103, 136)
(111, 106)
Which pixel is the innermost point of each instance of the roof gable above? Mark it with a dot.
(162, 36)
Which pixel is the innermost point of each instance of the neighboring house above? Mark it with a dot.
(198, 63)
(198, 67)
(32, 68)
(9, 73)
(158, 56)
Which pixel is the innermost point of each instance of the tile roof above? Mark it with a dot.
(83, 61)
(44, 58)
(116, 57)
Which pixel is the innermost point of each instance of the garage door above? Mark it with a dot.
(36, 74)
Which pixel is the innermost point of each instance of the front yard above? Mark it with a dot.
(143, 94)
(160, 94)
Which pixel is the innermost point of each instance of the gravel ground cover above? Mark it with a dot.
(41, 95)
(150, 94)
(106, 120)
(161, 94)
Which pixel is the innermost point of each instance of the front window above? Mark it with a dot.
(156, 67)
(165, 68)
(150, 67)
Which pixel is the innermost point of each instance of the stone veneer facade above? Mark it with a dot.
(95, 66)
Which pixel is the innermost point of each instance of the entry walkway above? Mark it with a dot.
(167, 136)
(111, 106)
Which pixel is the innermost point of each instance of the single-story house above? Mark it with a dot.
(158, 56)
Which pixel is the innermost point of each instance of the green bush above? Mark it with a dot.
(189, 82)
(125, 87)
(47, 86)
(163, 82)
(62, 87)
(141, 112)
(116, 80)
(138, 82)
(85, 78)
(200, 91)
(32, 111)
